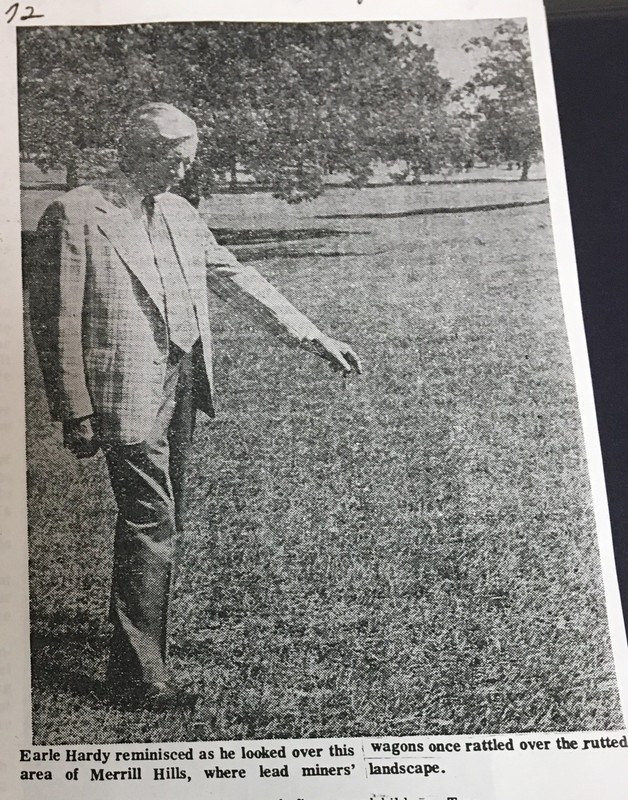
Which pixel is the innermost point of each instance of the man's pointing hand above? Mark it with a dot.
(340, 356)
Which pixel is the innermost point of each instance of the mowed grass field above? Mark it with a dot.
(410, 552)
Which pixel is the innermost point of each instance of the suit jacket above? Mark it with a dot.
(98, 313)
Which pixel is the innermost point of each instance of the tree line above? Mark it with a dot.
(288, 105)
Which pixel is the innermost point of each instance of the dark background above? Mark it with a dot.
(590, 57)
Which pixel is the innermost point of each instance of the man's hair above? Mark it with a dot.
(153, 124)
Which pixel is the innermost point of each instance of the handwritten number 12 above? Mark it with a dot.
(12, 10)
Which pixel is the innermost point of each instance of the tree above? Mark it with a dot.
(411, 119)
(285, 103)
(77, 85)
(56, 106)
(506, 116)
(330, 97)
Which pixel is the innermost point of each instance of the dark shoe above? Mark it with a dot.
(165, 696)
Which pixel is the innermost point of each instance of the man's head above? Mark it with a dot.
(157, 146)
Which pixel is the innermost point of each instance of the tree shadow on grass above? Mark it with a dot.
(269, 243)
(266, 254)
(236, 236)
(430, 210)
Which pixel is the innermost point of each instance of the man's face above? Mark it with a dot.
(160, 165)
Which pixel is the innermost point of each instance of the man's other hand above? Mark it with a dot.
(340, 356)
(80, 438)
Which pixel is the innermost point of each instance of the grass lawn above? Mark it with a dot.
(411, 552)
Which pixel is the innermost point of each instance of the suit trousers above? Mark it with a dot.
(148, 482)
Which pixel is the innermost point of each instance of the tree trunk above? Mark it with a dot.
(525, 168)
(233, 171)
(71, 175)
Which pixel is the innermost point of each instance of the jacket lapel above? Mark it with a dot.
(129, 238)
(187, 250)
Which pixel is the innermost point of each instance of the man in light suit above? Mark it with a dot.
(120, 317)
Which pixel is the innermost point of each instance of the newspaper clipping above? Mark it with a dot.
(301, 490)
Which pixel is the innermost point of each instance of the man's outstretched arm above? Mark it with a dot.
(260, 301)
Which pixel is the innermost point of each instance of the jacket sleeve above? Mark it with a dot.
(56, 292)
(244, 287)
